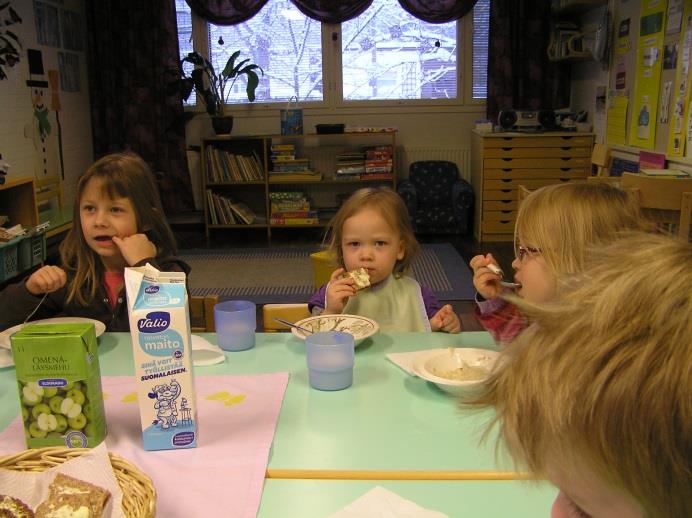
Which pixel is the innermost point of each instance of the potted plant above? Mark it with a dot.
(213, 89)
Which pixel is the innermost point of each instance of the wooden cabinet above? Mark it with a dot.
(251, 183)
(500, 162)
(18, 202)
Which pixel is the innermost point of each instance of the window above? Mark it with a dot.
(388, 54)
(385, 54)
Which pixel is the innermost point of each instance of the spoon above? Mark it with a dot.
(291, 324)
(505, 284)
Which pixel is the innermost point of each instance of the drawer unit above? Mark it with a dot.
(500, 162)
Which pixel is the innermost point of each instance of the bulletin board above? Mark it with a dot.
(644, 100)
(649, 102)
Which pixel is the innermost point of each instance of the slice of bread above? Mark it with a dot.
(71, 497)
(360, 276)
(12, 507)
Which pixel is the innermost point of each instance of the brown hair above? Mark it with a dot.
(564, 220)
(392, 208)
(124, 175)
(602, 376)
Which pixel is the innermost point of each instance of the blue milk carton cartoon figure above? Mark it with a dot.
(162, 350)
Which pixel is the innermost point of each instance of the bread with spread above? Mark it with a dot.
(71, 497)
(360, 276)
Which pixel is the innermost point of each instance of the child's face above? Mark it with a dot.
(584, 495)
(535, 276)
(102, 218)
(368, 241)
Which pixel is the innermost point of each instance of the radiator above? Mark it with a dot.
(460, 156)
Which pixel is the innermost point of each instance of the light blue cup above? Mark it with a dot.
(236, 321)
(330, 359)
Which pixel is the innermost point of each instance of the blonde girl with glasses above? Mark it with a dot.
(556, 225)
(595, 395)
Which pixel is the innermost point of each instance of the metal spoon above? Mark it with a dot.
(291, 324)
(505, 284)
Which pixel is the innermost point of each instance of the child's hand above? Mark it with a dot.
(486, 282)
(338, 292)
(46, 280)
(135, 248)
(445, 320)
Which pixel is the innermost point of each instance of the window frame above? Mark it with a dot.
(332, 79)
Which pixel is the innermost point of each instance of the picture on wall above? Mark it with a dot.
(47, 29)
(71, 25)
(69, 71)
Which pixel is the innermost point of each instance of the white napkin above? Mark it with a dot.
(382, 503)
(405, 360)
(205, 353)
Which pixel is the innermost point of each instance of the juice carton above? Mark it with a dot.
(162, 349)
(59, 382)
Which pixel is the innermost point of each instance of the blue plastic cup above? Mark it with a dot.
(330, 358)
(236, 321)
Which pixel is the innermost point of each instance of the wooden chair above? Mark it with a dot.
(665, 201)
(202, 313)
(522, 192)
(51, 207)
(288, 312)
(601, 158)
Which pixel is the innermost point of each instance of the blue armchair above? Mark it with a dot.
(437, 199)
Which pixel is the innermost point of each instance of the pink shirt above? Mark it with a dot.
(114, 281)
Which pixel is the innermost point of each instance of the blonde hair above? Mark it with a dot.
(391, 207)
(564, 220)
(602, 376)
(123, 175)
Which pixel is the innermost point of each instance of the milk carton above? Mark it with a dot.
(59, 383)
(162, 349)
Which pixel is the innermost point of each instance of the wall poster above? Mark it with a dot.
(677, 134)
(642, 131)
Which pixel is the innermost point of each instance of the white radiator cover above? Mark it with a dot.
(460, 156)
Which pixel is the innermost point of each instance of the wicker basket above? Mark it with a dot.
(139, 495)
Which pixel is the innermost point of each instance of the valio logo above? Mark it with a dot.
(154, 322)
(151, 289)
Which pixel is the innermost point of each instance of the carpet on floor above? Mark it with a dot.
(285, 275)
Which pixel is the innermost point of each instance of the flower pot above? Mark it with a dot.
(222, 124)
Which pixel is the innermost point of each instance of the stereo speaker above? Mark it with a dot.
(546, 118)
(507, 119)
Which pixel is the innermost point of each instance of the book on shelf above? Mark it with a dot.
(298, 176)
(224, 211)
(294, 213)
(377, 176)
(290, 206)
(275, 220)
(244, 212)
(223, 166)
(286, 195)
(670, 173)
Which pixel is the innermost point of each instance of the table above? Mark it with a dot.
(386, 421)
(321, 498)
(388, 429)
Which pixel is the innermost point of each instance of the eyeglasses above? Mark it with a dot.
(523, 251)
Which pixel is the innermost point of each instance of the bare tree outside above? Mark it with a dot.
(386, 53)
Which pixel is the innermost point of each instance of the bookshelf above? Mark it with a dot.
(270, 182)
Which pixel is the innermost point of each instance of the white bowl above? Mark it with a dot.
(360, 327)
(439, 367)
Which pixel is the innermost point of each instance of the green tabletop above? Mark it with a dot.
(387, 420)
(469, 498)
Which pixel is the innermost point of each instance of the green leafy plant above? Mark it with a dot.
(212, 88)
(9, 42)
